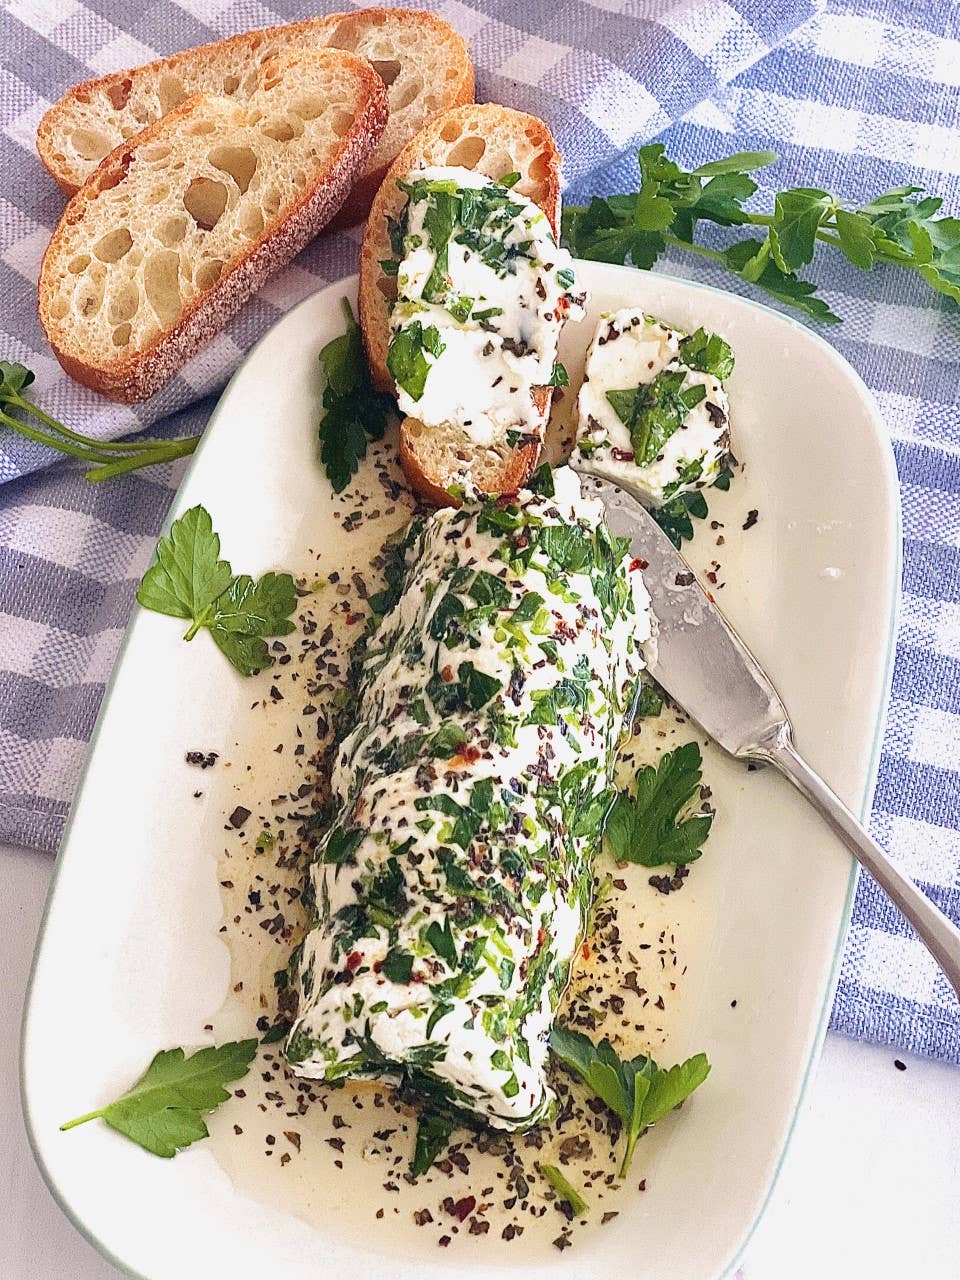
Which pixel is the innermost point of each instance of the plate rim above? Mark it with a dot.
(347, 286)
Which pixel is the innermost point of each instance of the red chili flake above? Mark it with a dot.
(541, 936)
(712, 577)
(622, 455)
(463, 1208)
(353, 960)
(446, 674)
(585, 951)
(637, 563)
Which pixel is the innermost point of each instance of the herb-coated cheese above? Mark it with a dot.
(451, 893)
(482, 293)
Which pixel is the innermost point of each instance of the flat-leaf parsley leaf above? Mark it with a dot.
(355, 412)
(163, 1112)
(644, 827)
(637, 1091)
(190, 581)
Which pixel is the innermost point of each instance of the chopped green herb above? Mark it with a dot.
(406, 358)
(707, 352)
(441, 939)
(676, 517)
(654, 411)
(433, 1134)
(397, 965)
(565, 1192)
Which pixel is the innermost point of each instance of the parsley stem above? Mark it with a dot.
(694, 248)
(761, 219)
(628, 1152)
(91, 1115)
(115, 456)
(149, 457)
(109, 446)
(87, 452)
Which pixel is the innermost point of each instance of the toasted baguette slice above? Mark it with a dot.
(423, 62)
(495, 141)
(175, 230)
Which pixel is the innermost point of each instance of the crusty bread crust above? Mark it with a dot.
(136, 374)
(110, 110)
(495, 141)
(518, 464)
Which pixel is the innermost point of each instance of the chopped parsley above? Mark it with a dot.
(407, 356)
(653, 411)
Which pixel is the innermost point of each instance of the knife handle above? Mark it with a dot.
(935, 930)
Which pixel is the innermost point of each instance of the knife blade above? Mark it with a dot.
(701, 661)
(708, 671)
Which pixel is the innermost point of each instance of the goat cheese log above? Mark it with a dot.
(451, 893)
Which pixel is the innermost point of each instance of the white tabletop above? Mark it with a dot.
(869, 1188)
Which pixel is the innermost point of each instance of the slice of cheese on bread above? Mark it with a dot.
(495, 141)
(422, 61)
(174, 230)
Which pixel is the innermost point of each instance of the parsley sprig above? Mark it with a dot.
(190, 581)
(163, 1112)
(354, 411)
(901, 227)
(636, 1090)
(107, 458)
(645, 828)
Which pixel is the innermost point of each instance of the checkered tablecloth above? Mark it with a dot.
(856, 95)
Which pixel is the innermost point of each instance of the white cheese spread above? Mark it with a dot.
(653, 415)
(482, 293)
(472, 781)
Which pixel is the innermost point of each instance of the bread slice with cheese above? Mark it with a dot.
(422, 61)
(174, 230)
(495, 141)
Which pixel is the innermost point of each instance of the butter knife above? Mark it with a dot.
(708, 671)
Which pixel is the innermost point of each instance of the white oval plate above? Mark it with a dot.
(129, 958)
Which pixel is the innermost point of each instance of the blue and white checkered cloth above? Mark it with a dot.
(856, 95)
